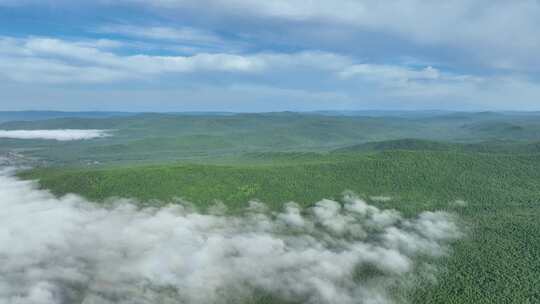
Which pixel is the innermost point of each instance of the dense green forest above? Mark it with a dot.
(495, 195)
(483, 167)
(159, 138)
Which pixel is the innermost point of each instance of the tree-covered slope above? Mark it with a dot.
(495, 196)
(158, 138)
(411, 144)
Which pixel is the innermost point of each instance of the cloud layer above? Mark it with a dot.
(68, 250)
(60, 135)
(462, 55)
(479, 28)
(477, 31)
(70, 74)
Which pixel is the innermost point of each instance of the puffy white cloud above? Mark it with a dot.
(60, 135)
(327, 79)
(53, 60)
(66, 250)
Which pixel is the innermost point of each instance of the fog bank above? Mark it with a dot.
(60, 135)
(69, 250)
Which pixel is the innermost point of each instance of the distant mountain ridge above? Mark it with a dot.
(6, 116)
(413, 144)
(34, 115)
(164, 137)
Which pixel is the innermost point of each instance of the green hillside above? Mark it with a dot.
(401, 144)
(485, 167)
(410, 144)
(497, 261)
(159, 138)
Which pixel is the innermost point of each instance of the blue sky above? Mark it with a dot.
(245, 55)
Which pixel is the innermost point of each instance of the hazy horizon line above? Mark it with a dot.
(263, 112)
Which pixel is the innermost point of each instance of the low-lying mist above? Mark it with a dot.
(60, 135)
(69, 250)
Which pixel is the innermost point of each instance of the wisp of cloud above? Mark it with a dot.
(70, 250)
(60, 135)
